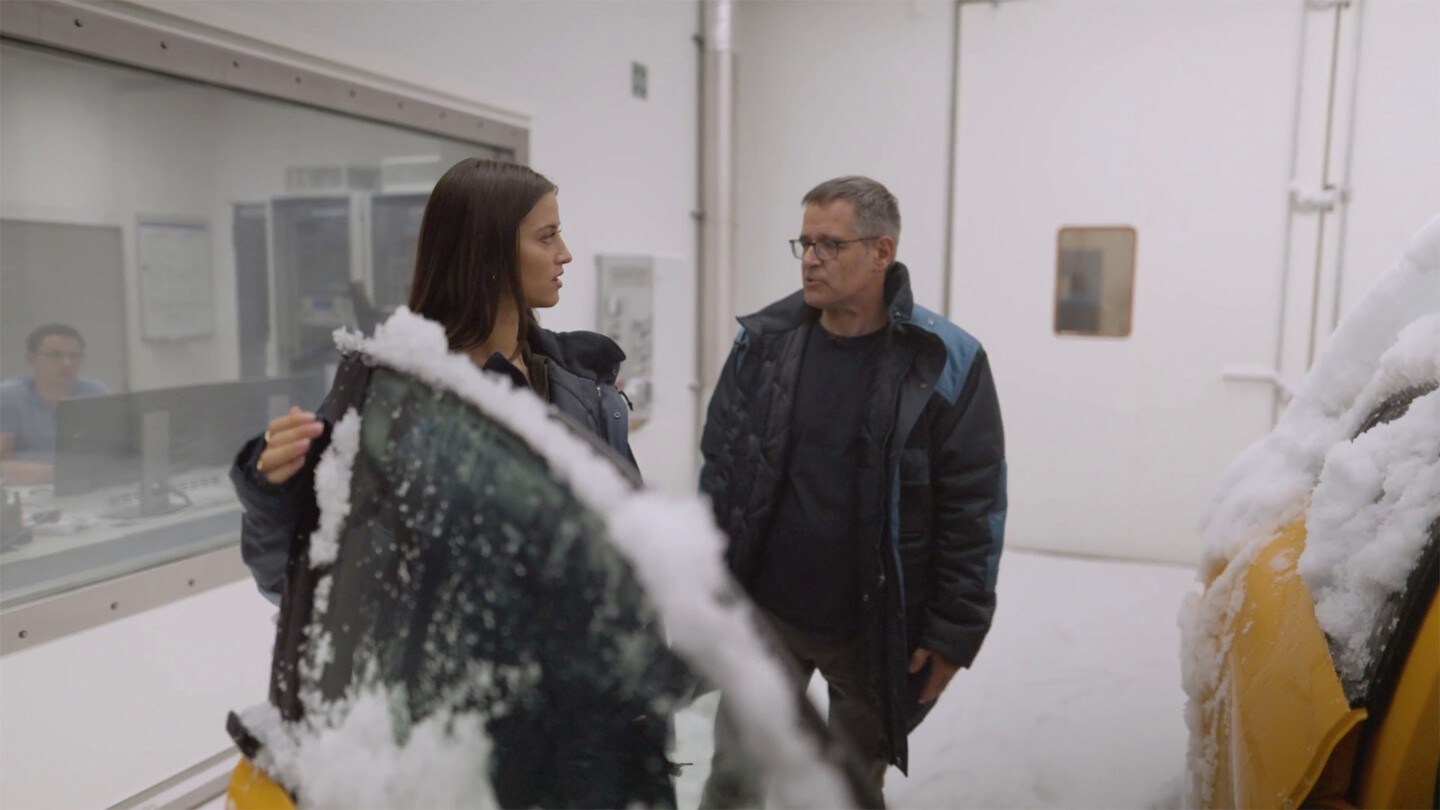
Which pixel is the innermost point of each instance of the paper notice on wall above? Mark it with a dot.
(177, 297)
(626, 316)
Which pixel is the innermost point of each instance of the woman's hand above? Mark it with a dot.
(287, 440)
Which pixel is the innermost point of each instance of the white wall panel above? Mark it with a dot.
(93, 718)
(1171, 117)
(835, 88)
(1395, 171)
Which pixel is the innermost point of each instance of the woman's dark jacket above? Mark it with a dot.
(580, 370)
(931, 478)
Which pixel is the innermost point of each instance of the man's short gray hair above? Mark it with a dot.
(876, 211)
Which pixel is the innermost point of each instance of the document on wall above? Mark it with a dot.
(177, 298)
(627, 316)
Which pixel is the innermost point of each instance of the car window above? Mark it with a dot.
(495, 611)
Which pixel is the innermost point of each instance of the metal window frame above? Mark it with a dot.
(94, 32)
(48, 618)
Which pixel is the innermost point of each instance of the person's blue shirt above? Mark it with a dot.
(31, 419)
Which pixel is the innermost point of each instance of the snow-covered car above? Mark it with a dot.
(1312, 657)
(491, 613)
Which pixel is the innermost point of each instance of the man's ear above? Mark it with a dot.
(885, 250)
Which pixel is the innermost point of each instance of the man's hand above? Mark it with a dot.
(941, 671)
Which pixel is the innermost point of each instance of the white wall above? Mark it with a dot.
(835, 88)
(1173, 118)
(94, 718)
(1395, 177)
(1182, 119)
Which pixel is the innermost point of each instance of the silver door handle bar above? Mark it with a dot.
(1260, 374)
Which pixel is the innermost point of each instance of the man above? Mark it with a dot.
(854, 456)
(54, 353)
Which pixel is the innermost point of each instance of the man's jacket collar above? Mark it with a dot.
(791, 311)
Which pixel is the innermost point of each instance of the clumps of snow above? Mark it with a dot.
(1268, 486)
(1282, 562)
(1372, 507)
(364, 760)
(1204, 676)
(332, 493)
(332, 488)
(416, 346)
(1365, 498)
(670, 541)
(321, 602)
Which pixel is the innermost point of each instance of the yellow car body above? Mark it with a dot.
(251, 789)
(1352, 467)
(1286, 734)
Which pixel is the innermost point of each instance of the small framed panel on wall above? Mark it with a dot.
(626, 315)
(1095, 280)
(177, 296)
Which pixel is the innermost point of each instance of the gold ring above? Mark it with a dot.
(260, 464)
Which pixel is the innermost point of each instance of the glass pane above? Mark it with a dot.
(1095, 281)
(203, 244)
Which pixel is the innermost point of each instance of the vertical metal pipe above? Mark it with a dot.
(1276, 399)
(715, 305)
(1342, 199)
(947, 262)
(1324, 185)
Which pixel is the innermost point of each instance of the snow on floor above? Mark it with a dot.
(1074, 701)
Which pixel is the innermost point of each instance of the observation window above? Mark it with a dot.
(1094, 281)
(204, 243)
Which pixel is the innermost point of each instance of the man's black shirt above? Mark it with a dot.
(809, 573)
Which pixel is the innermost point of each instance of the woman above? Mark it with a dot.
(489, 253)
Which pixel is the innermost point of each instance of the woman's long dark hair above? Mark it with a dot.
(466, 258)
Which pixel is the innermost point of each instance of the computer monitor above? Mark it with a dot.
(119, 440)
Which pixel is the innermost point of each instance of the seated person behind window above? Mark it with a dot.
(27, 402)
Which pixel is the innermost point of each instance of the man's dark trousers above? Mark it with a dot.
(854, 716)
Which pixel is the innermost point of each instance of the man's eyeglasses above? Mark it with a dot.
(825, 249)
(56, 356)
